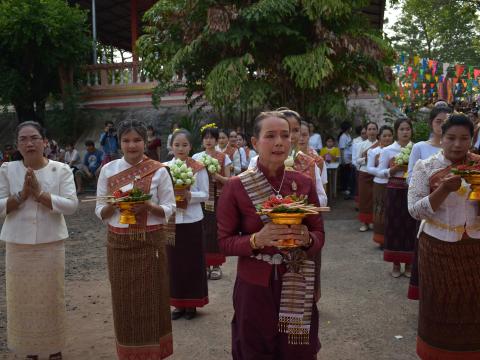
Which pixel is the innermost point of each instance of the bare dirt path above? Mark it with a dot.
(361, 311)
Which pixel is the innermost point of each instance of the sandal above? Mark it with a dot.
(177, 313)
(56, 356)
(190, 313)
(216, 273)
(31, 357)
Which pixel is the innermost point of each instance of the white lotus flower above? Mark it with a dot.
(179, 182)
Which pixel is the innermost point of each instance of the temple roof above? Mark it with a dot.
(113, 18)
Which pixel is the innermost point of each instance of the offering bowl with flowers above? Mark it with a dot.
(289, 210)
(126, 202)
(183, 178)
(471, 174)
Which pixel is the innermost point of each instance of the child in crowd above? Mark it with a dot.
(330, 152)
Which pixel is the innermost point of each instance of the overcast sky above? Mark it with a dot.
(392, 14)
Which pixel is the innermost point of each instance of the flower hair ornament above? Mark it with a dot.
(208, 126)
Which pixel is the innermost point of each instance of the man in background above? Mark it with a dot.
(109, 143)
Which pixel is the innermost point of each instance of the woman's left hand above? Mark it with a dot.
(139, 209)
(33, 183)
(300, 234)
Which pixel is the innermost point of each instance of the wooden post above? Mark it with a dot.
(134, 33)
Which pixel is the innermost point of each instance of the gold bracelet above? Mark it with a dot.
(253, 244)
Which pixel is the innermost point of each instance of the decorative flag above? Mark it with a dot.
(402, 58)
(434, 67)
(432, 85)
(428, 77)
(409, 70)
(416, 60)
(459, 69)
(445, 68)
(476, 73)
(430, 64)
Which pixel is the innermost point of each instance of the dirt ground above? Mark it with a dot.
(362, 310)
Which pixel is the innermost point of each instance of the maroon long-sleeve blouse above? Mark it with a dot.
(236, 215)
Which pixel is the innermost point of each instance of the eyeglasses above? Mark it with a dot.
(33, 139)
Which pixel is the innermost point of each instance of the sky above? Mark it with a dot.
(392, 13)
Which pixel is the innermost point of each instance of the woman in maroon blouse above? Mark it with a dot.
(154, 144)
(259, 301)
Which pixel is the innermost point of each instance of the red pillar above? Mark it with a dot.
(134, 33)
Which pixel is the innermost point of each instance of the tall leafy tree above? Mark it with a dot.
(41, 41)
(249, 55)
(446, 30)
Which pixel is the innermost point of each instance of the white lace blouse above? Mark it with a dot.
(455, 215)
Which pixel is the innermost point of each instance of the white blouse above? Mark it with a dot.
(161, 189)
(33, 223)
(373, 169)
(455, 215)
(237, 164)
(360, 161)
(386, 155)
(199, 192)
(420, 151)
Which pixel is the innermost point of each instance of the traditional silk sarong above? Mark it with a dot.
(36, 315)
(365, 197)
(213, 256)
(449, 312)
(186, 262)
(400, 227)
(379, 213)
(140, 295)
(137, 268)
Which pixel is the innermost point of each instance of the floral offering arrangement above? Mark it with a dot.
(182, 175)
(210, 163)
(472, 168)
(291, 204)
(133, 195)
(403, 157)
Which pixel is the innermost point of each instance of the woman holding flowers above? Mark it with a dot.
(137, 261)
(448, 248)
(260, 299)
(421, 151)
(35, 193)
(229, 147)
(365, 180)
(218, 167)
(385, 138)
(400, 229)
(188, 280)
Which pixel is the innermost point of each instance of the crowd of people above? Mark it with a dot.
(417, 209)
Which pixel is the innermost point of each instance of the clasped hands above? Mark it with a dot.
(272, 233)
(31, 186)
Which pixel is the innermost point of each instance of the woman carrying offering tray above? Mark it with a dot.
(135, 198)
(268, 323)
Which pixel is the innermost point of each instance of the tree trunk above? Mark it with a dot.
(27, 112)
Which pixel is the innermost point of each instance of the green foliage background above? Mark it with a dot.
(243, 57)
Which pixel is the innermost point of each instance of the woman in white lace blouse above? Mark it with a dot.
(448, 249)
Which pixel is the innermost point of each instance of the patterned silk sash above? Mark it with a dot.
(142, 174)
(215, 187)
(298, 283)
(305, 164)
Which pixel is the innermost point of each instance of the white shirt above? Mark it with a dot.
(386, 155)
(72, 157)
(454, 216)
(359, 160)
(315, 141)
(199, 155)
(373, 169)
(243, 158)
(345, 144)
(161, 189)
(237, 166)
(199, 192)
(420, 151)
(322, 195)
(33, 223)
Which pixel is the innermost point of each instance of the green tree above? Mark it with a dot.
(445, 30)
(242, 56)
(42, 42)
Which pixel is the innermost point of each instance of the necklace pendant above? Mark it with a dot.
(279, 197)
(294, 186)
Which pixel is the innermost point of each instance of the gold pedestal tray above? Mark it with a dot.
(474, 181)
(287, 219)
(127, 216)
(179, 191)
